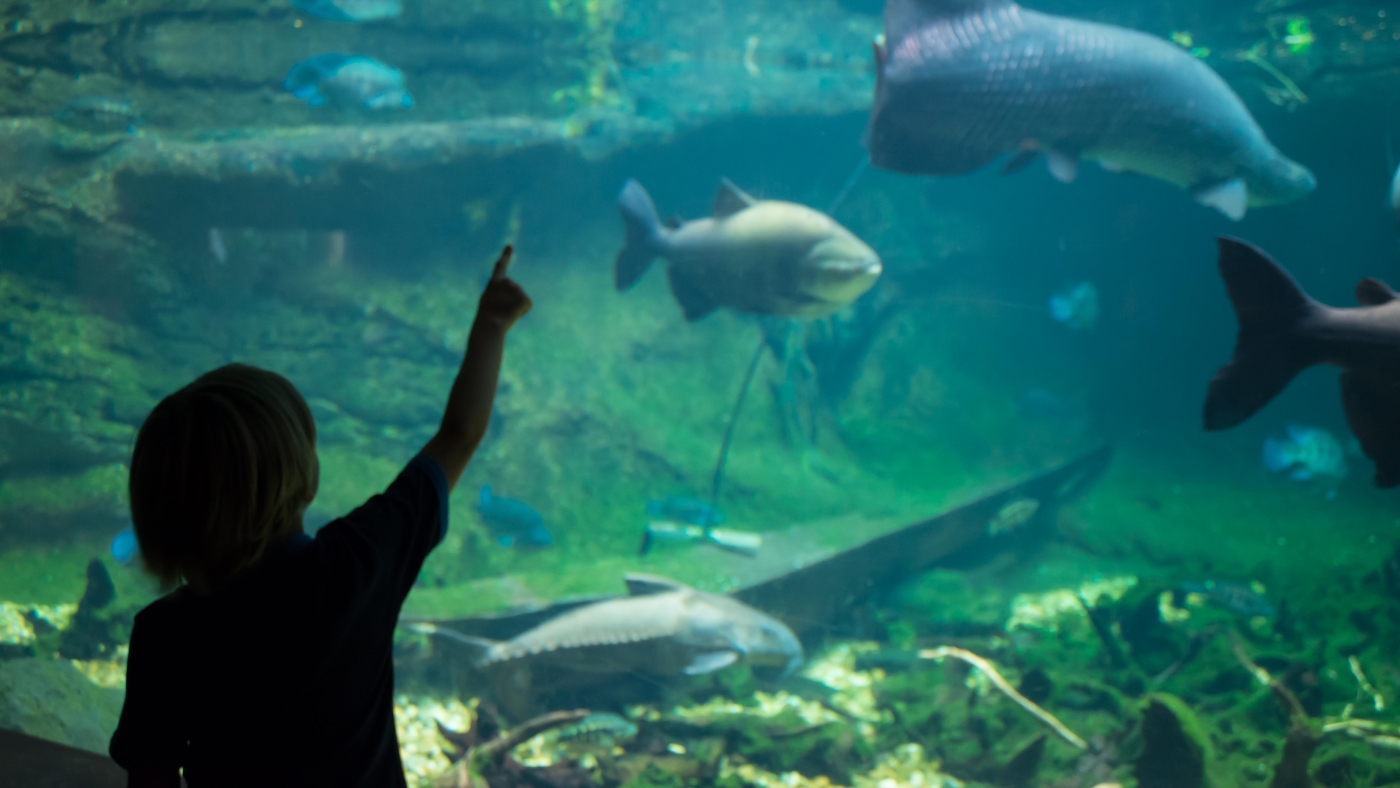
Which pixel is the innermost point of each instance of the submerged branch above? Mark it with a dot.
(1006, 689)
(485, 757)
(1285, 696)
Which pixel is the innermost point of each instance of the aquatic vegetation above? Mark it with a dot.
(1047, 610)
(17, 621)
(906, 767)
(421, 746)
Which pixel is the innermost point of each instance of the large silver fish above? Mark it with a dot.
(663, 628)
(762, 256)
(962, 82)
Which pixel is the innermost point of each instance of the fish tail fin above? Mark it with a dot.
(644, 235)
(1277, 456)
(1270, 306)
(476, 647)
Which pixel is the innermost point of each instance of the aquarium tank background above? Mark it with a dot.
(980, 493)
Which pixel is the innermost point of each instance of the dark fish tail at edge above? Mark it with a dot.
(1280, 331)
(1269, 351)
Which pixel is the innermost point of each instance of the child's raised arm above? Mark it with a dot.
(468, 411)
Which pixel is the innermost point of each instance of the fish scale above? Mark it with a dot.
(581, 629)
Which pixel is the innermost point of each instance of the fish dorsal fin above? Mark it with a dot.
(730, 199)
(644, 585)
(1373, 292)
(905, 16)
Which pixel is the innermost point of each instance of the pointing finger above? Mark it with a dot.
(503, 263)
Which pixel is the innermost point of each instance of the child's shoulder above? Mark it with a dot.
(167, 609)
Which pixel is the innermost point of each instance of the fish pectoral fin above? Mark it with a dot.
(1230, 198)
(1027, 153)
(694, 300)
(1373, 292)
(730, 199)
(711, 662)
(1064, 166)
(1374, 418)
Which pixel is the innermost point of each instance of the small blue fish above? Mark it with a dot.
(1233, 597)
(124, 546)
(1077, 306)
(347, 80)
(686, 510)
(351, 10)
(1305, 454)
(514, 523)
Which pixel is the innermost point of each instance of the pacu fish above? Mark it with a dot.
(962, 82)
(1284, 331)
(347, 80)
(766, 257)
(663, 628)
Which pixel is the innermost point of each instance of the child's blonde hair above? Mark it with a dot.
(222, 470)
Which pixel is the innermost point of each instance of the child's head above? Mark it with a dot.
(223, 469)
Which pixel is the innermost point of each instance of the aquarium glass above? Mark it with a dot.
(897, 337)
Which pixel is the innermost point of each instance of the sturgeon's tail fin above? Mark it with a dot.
(1270, 306)
(644, 235)
(477, 648)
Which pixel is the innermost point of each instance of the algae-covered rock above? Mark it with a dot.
(51, 699)
(1175, 746)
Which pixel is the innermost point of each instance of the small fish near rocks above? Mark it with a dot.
(663, 628)
(98, 115)
(1240, 599)
(347, 81)
(1013, 516)
(513, 523)
(89, 126)
(1077, 306)
(599, 728)
(1305, 454)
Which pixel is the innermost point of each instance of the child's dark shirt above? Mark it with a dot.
(285, 676)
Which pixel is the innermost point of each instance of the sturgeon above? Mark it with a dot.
(663, 628)
(1284, 331)
(962, 82)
